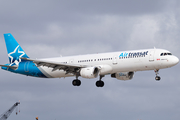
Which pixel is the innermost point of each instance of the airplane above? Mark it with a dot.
(120, 65)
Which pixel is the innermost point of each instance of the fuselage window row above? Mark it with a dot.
(94, 60)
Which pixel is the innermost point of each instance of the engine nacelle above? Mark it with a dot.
(89, 72)
(123, 75)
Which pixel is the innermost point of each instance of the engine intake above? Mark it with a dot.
(89, 72)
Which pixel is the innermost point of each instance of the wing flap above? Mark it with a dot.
(56, 68)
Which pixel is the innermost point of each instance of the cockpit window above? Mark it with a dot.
(169, 53)
(164, 54)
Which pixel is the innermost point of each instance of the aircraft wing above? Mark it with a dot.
(69, 68)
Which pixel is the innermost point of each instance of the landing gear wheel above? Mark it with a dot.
(99, 83)
(76, 82)
(158, 78)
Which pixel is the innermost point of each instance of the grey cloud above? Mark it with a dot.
(36, 14)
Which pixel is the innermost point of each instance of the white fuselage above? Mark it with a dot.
(123, 61)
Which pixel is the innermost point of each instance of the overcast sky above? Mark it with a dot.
(72, 27)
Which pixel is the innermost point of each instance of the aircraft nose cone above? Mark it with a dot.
(175, 60)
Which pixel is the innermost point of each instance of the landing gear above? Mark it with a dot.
(76, 82)
(100, 83)
(157, 78)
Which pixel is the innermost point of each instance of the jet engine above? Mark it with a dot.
(123, 75)
(89, 72)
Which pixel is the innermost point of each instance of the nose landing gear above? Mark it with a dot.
(157, 78)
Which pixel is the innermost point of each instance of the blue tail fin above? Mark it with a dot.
(15, 52)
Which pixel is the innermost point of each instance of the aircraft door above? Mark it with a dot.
(71, 61)
(114, 60)
(151, 56)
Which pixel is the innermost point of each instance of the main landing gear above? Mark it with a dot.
(157, 78)
(76, 82)
(100, 83)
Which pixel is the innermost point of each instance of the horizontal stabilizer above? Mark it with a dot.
(12, 67)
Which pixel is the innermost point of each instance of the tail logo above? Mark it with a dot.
(15, 56)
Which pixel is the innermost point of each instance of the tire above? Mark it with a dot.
(102, 84)
(157, 78)
(78, 83)
(74, 82)
(99, 83)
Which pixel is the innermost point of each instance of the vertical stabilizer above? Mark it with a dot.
(14, 50)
